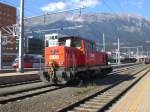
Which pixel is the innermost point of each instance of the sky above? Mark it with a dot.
(38, 7)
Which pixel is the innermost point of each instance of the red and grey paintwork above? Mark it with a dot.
(74, 58)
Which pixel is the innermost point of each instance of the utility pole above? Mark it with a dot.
(129, 52)
(21, 37)
(103, 42)
(118, 51)
(116, 56)
(147, 53)
(0, 50)
(137, 54)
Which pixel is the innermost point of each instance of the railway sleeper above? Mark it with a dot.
(90, 106)
(84, 109)
(93, 103)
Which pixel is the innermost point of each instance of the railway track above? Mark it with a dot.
(17, 92)
(103, 99)
(19, 83)
(124, 68)
(36, 81)
(10, 96)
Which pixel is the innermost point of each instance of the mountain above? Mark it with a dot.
(133, 30)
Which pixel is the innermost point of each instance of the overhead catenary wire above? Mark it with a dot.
(55, 12)
(54, 29)
(50, 13)
(111, 9)
(44, 15)
(114, 31)
(117, 15)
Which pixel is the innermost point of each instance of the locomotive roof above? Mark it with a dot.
(77, 37)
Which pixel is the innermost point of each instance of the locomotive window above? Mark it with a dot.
(73, 42)
(55, 37)
(76, 43)
(92, 47)
(46, 43)
(61, 42)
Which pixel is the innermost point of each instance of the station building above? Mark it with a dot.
(8, 46)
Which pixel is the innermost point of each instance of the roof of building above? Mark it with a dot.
(6, 5)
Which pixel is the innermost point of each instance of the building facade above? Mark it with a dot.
(8, 43)
(34, 46)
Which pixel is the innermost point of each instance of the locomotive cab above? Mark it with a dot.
(56, 40)
(60, 49)
(63, 55)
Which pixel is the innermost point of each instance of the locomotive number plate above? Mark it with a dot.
(54, 57)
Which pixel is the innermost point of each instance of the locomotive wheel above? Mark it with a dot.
(74, 79)
(44, 76)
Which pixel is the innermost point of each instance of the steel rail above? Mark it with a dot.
(104, 102)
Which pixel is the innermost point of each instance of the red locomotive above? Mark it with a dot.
(69, 57)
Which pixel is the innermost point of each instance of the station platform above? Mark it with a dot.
(16, 77)
(135, 100)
